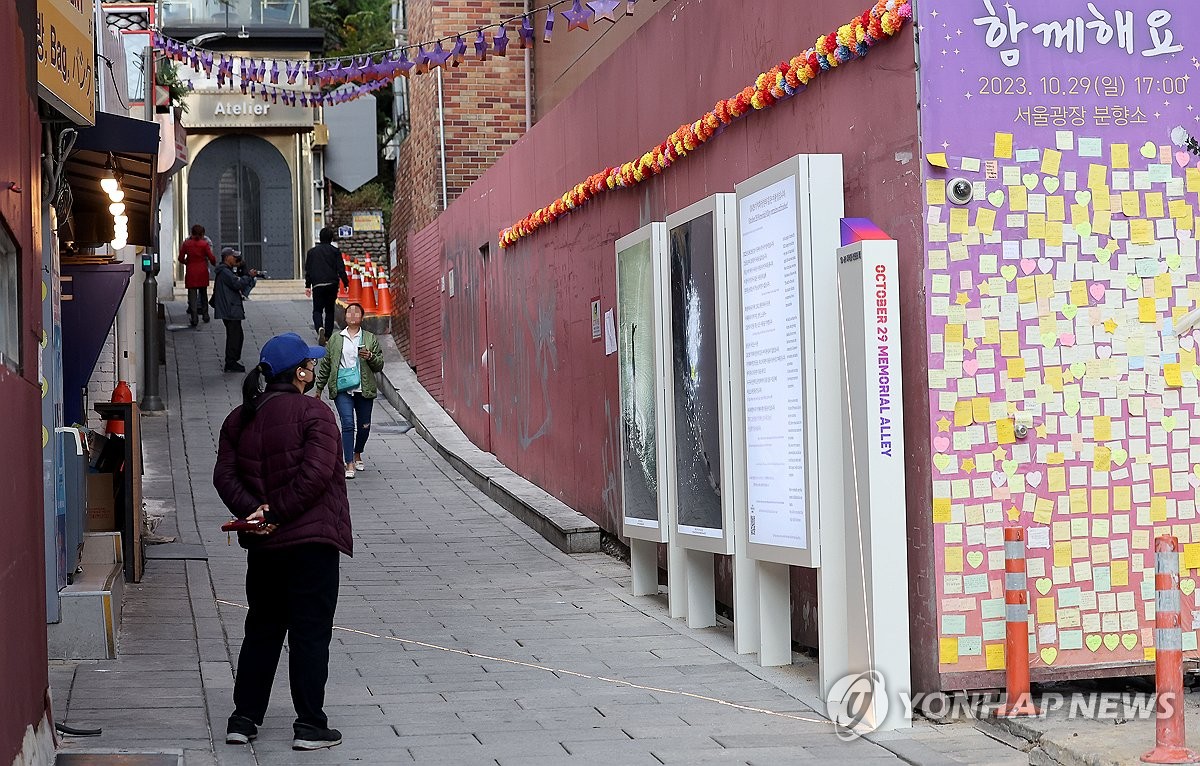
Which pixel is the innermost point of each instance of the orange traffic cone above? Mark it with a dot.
(343, 291)
(368, 287)
(355, 293)
(121, 394)
(385, 293)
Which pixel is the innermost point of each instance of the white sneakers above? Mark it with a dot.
(350, 470)
(359, 465)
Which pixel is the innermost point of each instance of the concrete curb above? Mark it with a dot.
(566, 529)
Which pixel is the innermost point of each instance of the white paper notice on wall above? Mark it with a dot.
(610, 333)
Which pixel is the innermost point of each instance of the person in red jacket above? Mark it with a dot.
(196, 254)
(279, 463)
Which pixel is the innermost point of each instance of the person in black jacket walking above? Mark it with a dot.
(323, 270)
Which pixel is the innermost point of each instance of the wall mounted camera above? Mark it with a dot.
(959, 191)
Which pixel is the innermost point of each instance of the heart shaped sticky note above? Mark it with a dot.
(1093, 642)
(1043, 585)
(1097, 290)
(1028, 265)
(1010, 467)
(941, 461)
(970, 366)
(1008, 272)
(1120, 455)
(998, 478)
(1149, 150)
(941, 443)
(974, 558)
(1066, 339)
(1030, 180)
(1069, 311)
(1083, 229)
(1078, 369)
(1034, 478)
(1111, 641)
(1049, 655)
(1129, 640)
(1045, 265)
(1182, 158)
(1187, 585)
(1050, 184)
(1174, 260)
(1104, 256)
(1133, 282)
(1168, 422)
(1049, 338)
(1071, 407)
(996, 197)
(1104, 352)
(1083, 197)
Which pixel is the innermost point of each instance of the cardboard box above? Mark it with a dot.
(100, 505)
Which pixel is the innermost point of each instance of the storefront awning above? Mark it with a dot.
(129, 147)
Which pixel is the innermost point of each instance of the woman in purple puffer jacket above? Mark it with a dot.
(280, 464)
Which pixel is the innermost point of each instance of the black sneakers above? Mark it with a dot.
(312, 738)
(321, 339)
(240, 730)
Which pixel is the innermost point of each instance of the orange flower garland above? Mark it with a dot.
(851, 41)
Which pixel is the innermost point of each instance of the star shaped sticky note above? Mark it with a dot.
(968, 465)
(1013, 514)
(1110, 326)
(970, 344)
(985, 288)
(1000, 454)
(577, 16)
(1040, 431)
(962, 299)
(943, 425)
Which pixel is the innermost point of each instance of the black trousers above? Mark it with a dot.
(234, 337)
(324, 298)
(197, 303)
(291, 591)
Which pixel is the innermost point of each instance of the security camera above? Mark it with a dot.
(959, 191)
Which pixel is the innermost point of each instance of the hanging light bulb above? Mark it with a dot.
(109, 183)
(117, 208)
(121, 220)
(116, 195)
(117, 244)
(120, 231)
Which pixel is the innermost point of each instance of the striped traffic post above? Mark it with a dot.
(1170, 745)
(1018, 701)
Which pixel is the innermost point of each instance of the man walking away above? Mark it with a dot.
(323, 270)
(196, 254)
(230, 289)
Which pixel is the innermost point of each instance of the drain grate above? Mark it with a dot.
(118, 758)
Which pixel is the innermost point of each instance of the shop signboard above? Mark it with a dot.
(66, 58)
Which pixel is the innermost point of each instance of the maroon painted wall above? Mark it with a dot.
(552, 391)
(23, 668)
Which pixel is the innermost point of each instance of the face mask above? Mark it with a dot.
(309, 386)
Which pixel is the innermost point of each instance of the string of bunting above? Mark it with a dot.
(851, 41)
(344, 78)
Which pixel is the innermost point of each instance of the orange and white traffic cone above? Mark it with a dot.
(1016, 605)
(121, 395)
(355, 293)
(384, 303)
(1170, 745)
(368, 287)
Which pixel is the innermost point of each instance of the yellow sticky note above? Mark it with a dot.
(1191, 556)
(1100, 501)
(1120, 156)
(1043, 509)
(1154, 205)
(1180, 209)
(985, 220)
(1045, 610)
(1102, 222)
(1079, 500)
(941, 510)
(1147, 314)
(1054, 378)
(1141, 232)
(1173, 375)
(960, 220)
(1122, 497)
(994, 656)
(1056, 208)
(948, 651)
(981, 409)
(1054, 234)
(962, 413)
(1036, 225)
(1062, 554)
(1056, 479)
(1016, 369)
(1131, 204)
(1097, 178)
(954, 334)
(1018, 199)
(1004, 146)
(1162, 285)
(937, 159)
(1119, 573)
(1158, 508)
(1102, 459)
(1005, 433)
(954, 558)
(1025, 290)
(1193, 179)
(1079, 294)
(1051, 160)
(1102, 428)
(1010, 344)
(935, 192)
(1161, 480)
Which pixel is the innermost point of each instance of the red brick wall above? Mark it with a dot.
(22, 572)
(484, 114)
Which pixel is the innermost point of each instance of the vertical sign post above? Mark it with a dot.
(875, 518)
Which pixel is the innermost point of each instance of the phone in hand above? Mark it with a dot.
(242, 525)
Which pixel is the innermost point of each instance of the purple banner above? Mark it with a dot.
(1060, 220)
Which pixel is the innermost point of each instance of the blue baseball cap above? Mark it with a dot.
(286, 351)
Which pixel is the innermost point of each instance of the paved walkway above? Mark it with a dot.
(464, 638)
